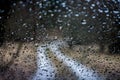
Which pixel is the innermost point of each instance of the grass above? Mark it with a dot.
(105, 64)
(63, 72)
(23, 65)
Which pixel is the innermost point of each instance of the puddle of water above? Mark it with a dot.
(46, 70)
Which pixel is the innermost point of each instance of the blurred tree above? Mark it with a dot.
(4, 9)
(91, 22)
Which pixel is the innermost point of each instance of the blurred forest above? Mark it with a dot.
(82, 22)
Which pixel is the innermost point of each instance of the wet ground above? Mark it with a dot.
(54, 60)
(52, 64)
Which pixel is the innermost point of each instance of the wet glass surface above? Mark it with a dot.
(59, 39)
